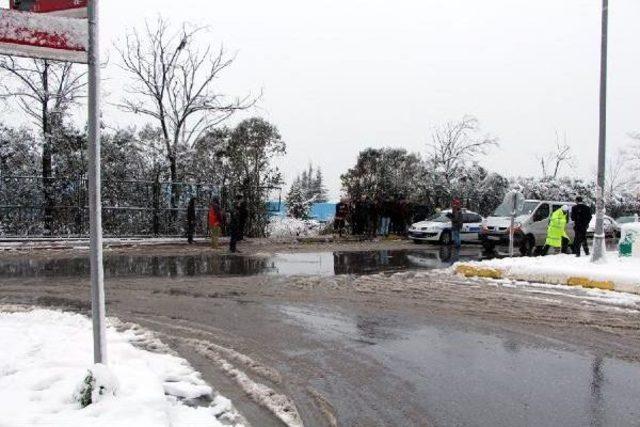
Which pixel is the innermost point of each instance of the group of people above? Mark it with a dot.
(219, 221)
(557, 237)
(372, 216)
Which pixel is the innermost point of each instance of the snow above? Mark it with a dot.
(45, 356)
(42, 35)
(556, 269)
(292, 227)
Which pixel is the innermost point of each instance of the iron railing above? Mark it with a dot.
(129, 207)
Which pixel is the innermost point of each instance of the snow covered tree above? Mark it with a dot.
(298, 205)
(249, 152)
(454, 144)
(385, 172)
(173, 84)
(633, 157)
(552, 162)
(311, 184)
(44, 91)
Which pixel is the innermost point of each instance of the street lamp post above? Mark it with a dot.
(598, 239)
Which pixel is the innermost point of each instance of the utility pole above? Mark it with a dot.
(598, 238)
(95, 203)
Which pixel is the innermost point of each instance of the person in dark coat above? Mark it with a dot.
(361, 216)
(243, 213)
(456, 222)
(385, 216)
(191, 220)
(403, 212)
(374, 213)
(342, 211)
(581, 217)
(237, 222)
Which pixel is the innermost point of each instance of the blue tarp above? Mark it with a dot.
(319, 211)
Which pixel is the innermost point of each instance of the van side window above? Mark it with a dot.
(555, 208)
(541, 213)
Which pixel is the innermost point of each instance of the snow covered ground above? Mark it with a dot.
(623, 273)
(45, 355)
(291, 227)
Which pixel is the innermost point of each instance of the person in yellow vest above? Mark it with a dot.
(557, 230)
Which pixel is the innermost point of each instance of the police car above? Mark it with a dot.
(438, 228)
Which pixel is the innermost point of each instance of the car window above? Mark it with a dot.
(541, 213)
(555, 208)
(476, 218)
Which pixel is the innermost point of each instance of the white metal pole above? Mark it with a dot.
(95, 205)
(598, 237)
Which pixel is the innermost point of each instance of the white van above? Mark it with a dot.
(530, 227)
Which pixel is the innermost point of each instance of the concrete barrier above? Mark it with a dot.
(468, 270)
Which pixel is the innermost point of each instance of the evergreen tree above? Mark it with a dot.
(298, 205)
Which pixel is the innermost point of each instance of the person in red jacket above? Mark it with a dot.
(214, 221)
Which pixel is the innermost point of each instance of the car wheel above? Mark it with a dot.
(445, 238)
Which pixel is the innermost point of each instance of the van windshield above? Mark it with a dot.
(505, 209)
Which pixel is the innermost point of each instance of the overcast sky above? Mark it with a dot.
(340, 76)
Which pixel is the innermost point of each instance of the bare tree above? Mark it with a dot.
(633, 157)
(455, 143)
(617, 178)
(173, 82)
(44, 90)
(552, 161)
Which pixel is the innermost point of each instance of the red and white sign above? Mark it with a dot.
(69, 8)
(37, 35)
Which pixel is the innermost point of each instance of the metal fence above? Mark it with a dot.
(129, 207)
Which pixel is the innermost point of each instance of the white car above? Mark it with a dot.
(438, 228)
(611, 227)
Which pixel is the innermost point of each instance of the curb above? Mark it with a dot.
(495, 273)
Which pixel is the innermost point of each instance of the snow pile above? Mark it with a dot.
(44, 359)
(292, 227)
(557, 269)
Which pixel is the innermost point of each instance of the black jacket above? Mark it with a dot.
(456, 219)
(581, 216)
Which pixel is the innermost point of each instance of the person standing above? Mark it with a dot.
(581, 217)
(360, 215)
(238, 220)
(386, 206)
(341, 216)
(214, 221)
(456, 222)
(243, 213)
(373, 208)
(191, 220)
(556, 231)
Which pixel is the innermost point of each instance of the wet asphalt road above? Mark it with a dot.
(381, 349)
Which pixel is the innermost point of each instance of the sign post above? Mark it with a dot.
(514, 200)
(95, 205)
(44, 29)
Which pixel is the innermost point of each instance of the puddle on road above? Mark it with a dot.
(468, 378)
(315, 263)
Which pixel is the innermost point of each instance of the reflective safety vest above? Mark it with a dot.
(556, 230)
